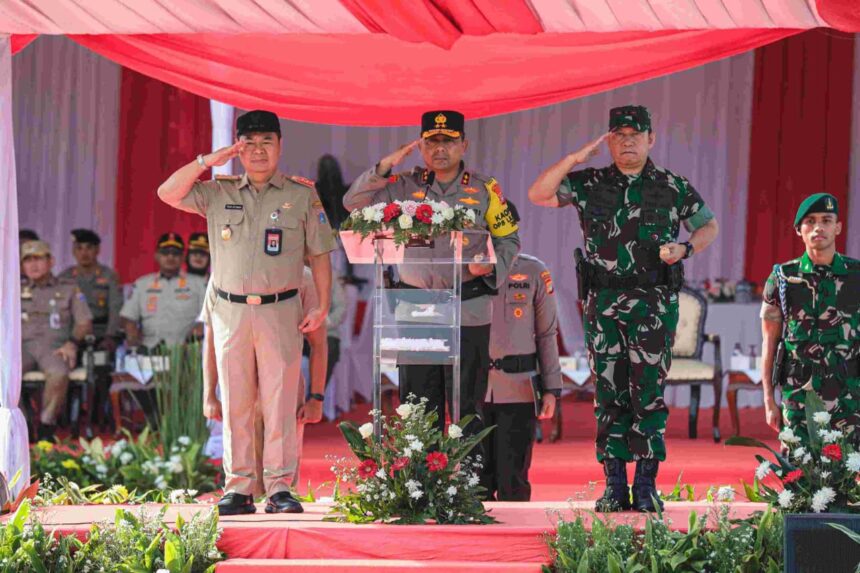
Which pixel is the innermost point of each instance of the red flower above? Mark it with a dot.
(833, 451)
(436, 461)
(399, 463)
(367, 468)
(424, 213)
(792, 477)
(391, 211)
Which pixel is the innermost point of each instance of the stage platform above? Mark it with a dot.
(305, 542)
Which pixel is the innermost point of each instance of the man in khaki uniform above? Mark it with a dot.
(263, 225)
(54, 319)
(445, 178)
(164, 306)
(100, 285)
(522, 343)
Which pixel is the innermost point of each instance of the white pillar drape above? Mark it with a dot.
(14, 453)
(222, 132)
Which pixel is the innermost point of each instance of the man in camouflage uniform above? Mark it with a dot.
(445, 178)
(55, 318)
(523, 343)
(630, 214)
(813, 304)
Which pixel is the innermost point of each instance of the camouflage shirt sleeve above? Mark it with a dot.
(692, 211)
(570, 189)
(770, 305)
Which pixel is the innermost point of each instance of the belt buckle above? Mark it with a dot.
(254, 300)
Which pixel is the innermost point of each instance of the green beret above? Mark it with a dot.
(818, 203)
(635, 116)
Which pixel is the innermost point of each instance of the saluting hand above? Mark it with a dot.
(588, 151)
(389, 161)
(223, 155)
(671, 253)
(313, 320)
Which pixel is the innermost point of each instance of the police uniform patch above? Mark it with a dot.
(469, 201)
(547, 281)
(234, 207)
(470, 190)
(494, 187)
(518, 277)
(518, 313)
(287, 205)
(418, 195)
(322, 217)
(152, 304)
(519, 296)
(500, 220)
(303, 181)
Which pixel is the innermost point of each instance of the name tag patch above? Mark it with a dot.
(233, 207)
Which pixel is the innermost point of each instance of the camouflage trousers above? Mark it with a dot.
(629, 335)
(841, 398)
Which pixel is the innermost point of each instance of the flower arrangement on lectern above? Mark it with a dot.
(409, 220)
(414, 474)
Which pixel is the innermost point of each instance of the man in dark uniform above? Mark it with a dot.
(813, 304)
(444, 178)
(630, 214)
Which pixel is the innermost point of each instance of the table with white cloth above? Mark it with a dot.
(734, 323)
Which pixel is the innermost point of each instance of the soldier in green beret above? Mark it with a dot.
(813, 304)
(630, 214)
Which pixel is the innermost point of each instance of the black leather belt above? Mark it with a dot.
(470, 289)
(847, 369)
(664, 276)
(516, 363)
(257, 299)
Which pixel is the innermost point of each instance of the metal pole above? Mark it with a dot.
(456, 330)
(378, 294)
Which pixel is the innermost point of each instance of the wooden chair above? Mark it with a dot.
(688, 369)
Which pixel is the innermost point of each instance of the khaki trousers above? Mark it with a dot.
(258, 355)
(40, 356)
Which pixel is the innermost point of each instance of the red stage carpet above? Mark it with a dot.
(564, 469)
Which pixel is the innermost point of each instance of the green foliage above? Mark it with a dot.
(733, 546)
(179, 392)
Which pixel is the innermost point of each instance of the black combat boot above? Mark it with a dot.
(617, 494)
(645, 486)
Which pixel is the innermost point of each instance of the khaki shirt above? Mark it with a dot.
(239, 219)
(61, 298)
(478, 192)
(104, 297)
(525, 321)
(165, 308)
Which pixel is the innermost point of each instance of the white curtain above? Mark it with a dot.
(14, 454)
(66, 109)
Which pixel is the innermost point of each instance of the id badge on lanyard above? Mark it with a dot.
(273, 237)
(54, 317)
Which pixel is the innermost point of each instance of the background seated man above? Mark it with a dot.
(198, 260)
(54, 319)
(164, 306)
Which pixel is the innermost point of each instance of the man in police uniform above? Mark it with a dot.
(197, 261)
(100, 285)
(55, 318)
(164, 306)
(445, 178)
(813, 304)
(522, 343)
(630, 215)
(264, 224)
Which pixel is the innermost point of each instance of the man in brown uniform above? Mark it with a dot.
(54, 319)
(523, 342)
(100, 285)
(264, 224)
(445, 178)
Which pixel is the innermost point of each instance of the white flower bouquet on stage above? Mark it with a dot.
(410, 222)
(413, 474)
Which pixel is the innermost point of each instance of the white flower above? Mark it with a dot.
(799, 452)
(470, 215)
(412, 485)
(184, 440)
(175, 467)
(455, 431)
(437, 218)
(405, 221)
(380, 473)
(410, 437)
(785, 498)
(126, 457)
(160, 482)
(355, 214)
(822, 499)
(404, 411)
(407, 453)
(391, 495)
(447, 213)
(416, 494)
(762, 471)
(181, 495)
(366, 430)
(825, 475)
(821, 417)
(452, 491)
(417, 445)
(829, 436)
(853, 462)
(369, 214)
(162, 570)
(787, 436)
(175, 458)
(473, 480)
(726, 493)
(101, 469)
(806, 459)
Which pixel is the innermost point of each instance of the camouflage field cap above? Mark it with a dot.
(635, 116)
(35, 249)
(817, 203)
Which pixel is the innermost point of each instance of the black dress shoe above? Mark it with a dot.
(283, 502)
(236, 504)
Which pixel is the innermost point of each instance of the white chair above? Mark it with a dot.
(687, 365)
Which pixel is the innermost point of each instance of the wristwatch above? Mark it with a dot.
(317, 397)
(689, 252)
(201, 162)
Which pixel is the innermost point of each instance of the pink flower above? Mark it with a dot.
(792, 477)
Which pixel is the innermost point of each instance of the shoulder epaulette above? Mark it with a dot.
(303, 181)
(222, 177)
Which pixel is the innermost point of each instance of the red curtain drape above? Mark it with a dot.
(161, 129)
(378, 80)
(21, 41)
(800, 142)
